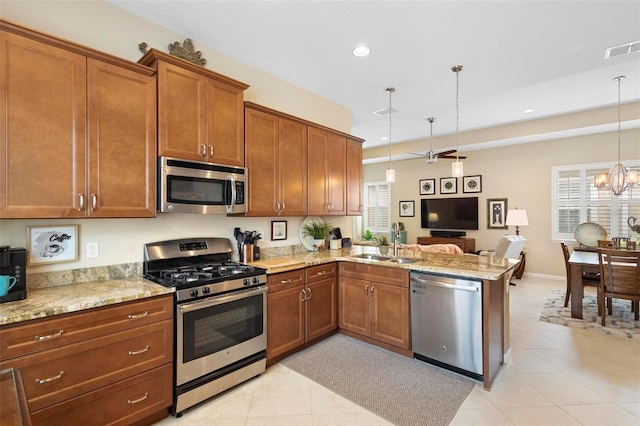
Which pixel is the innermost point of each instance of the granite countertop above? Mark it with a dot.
(46, 302)
(468, 265)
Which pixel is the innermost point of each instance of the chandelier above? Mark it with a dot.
(619, 178)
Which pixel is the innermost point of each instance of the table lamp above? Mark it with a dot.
(518, 218)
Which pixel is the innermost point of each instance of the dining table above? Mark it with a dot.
(579, 262)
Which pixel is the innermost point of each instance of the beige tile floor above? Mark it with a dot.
(557, 376)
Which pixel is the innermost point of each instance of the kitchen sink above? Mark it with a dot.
(403, 260)
(367, 256)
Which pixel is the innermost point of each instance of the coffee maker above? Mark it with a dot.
(13, 261)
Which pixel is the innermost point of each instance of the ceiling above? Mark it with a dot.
(543, 55)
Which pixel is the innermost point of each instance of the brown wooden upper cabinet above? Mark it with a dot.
(200, 112)
(276, 157)
(354, 177)
(327, 172)
(78, 132)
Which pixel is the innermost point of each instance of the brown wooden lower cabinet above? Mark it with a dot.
(374, 302)
(301, 306)
(109, 365)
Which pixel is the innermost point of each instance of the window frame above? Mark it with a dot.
(365, 214)
(617, 203)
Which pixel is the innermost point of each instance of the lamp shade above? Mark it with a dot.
(517, 218)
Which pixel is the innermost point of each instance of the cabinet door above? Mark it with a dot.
(225, 126)
(285, 320)
(181, 113)
(321, 312)
(292, 165)
(318, 191)
(262, 162)
(353, 308)
(42, 130)
(336, 174)
(354, 177)
(390, 314)
(122, 142)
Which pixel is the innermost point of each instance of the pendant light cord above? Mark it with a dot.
(390, 90)
(619, 115)
(457, 70)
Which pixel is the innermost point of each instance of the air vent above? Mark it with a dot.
(623, 49)
(385, 111)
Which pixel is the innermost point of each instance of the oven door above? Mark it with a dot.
(220, 330)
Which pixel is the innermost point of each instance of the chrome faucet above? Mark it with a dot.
(396, 241)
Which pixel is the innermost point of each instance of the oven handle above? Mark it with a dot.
(218, 300)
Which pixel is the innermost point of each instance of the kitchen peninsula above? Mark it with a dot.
(493, 273)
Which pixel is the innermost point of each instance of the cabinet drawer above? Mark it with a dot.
(121, 403)
(72, 370)
(381, 274)
(320, 272)
(38, 335)
(285, 280)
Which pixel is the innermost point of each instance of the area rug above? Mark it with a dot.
(621, 323)
(402, 390)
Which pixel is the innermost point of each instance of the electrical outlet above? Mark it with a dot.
(92, 249)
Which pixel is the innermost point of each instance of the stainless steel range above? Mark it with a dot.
(220, 311)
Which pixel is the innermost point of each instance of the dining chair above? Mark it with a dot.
(588, 278)
(620, 279)
(605, 243)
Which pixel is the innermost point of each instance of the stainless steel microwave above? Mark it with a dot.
(186, 186)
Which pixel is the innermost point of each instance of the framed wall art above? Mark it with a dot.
(427, 186)
(278, 230)
(449, 185)
(407, 208)
(472, 184)
(497, 213)
(52, 244)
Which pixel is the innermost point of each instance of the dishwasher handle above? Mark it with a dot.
(472, 289)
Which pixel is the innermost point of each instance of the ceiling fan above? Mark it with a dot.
(431, 156)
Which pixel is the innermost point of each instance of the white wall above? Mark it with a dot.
(104, 27)
(520, 173)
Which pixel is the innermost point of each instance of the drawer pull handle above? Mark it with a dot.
(50, 379)
(285, 281)
(142, 398)
(134, 316)
(146, 348)
(50, 336)
(321, 273)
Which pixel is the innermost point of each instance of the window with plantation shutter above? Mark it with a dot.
(377, 212)
(575, 199)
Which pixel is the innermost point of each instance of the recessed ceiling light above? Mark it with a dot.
(361, 51)
(384, 138)
(528, 111)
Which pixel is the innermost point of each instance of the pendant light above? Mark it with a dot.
(457, 169)
(619, 178)
(391, 174)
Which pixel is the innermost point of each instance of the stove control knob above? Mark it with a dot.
(206, 290)
(194, 292)
(246, 281)
(256, 280)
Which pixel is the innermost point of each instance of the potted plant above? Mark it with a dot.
(403, 234)
(317, 230)
(383, 244)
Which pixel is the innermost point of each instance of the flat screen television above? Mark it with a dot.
(449, 213)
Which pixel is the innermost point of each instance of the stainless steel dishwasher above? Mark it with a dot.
(446, 322)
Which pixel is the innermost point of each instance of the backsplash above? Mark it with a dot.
(125, 270)
(83, 275)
